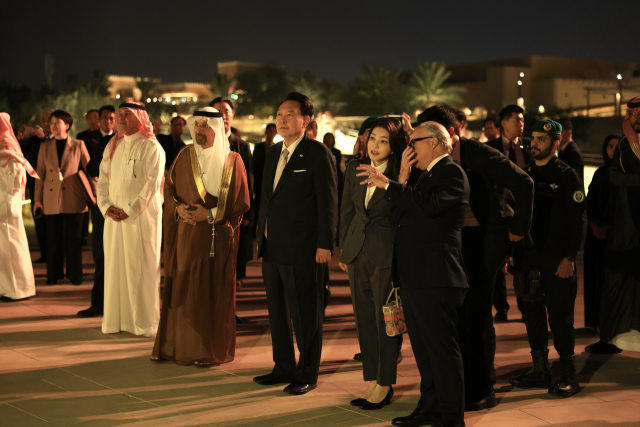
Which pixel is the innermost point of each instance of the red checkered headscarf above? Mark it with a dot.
(144, 125)
(10, 148)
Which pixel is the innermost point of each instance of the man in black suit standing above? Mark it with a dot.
(296, 227)
(500, 210)
(96, 142)
(259, 157)
(240, 146)
(569, 152)
(518, 149)
(429, 268)
(172, 144)
(93, 124)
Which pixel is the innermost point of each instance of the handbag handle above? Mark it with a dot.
(391, 293)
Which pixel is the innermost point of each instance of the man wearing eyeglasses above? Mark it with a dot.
(490, 129)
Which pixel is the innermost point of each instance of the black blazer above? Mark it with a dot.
(93, 168)
(303, 209)
(365, 231)
(501, 192)
(526, 147)
(429, 217)
(241, 147)
(259, 157)
(572, 155)
(170, 150)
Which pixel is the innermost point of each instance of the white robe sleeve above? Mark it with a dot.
(104, 202)
(153, 168)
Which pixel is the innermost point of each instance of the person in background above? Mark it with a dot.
(366, 239)
(259, 156)
(157, 126)
(598, 210)
(312, 130)
(61, 197)
(172, 144)
(93, 123)
(569, 151)
(16, 275)
(31, 138)
(490, 129)
(461, 124)
(360, 147)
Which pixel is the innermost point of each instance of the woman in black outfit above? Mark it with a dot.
(594, 248)
(366, 239)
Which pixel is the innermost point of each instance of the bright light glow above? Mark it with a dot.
(541, 109)
(234, 96)
(174, 115)
(155, 99)
(251, 117)
(619, 77)
(338, 132)
(26, 202)
(263, 126)
(324, 116)
(520, 102)
(118, 96)
(277, 139)
(195, 98)
(168, 98)
(148, 99)
(521, 74)
(173, 102)
(184, 99)
(251, 147)
(519, 82)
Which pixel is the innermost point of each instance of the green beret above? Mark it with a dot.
(367, 124)
(549, 127)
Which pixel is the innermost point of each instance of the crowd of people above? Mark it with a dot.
(420, 208)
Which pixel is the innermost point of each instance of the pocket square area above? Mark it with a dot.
(301, 170)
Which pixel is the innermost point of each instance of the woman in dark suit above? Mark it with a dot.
(366, 239)
(59, 194)
(598, 206)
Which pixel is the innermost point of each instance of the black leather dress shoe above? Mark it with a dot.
(450, 423)
(368, 406)
(270, 379)
(298, 387)
(92, 311)
(40, 260)
(358, 357)
(484, 403)
(419, 417)
(501, 317)
(51, 282)
(357, 402)
(602, 348)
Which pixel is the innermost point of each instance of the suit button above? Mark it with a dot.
(51, 179)
(50, 170)
(63, 188)
(367, 219)
(51, 189)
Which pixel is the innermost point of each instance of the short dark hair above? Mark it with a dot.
(565, 122)
(270, 125)
(507, 112)
(439, 114)
(460, 115)
(397, 142)
(108, 108)
(306, 106)
(491, 119)
(64, 116)
(179, 117)
(225, 100)
(92, 111)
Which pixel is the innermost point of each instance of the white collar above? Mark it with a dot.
(228, 133)
(291, 148)
(382, 167)
(506, 141)
(104, 133)
(206, 152)
(129, 138)
(436, 160)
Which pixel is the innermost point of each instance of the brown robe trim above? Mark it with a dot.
(225, 185)
(197, 174)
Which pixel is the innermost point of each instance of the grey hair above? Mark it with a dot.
(441, 134)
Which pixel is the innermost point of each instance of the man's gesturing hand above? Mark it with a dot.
(323, 255)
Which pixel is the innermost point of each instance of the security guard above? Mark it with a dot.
(547, 268)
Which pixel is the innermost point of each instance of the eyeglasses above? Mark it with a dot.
(488, 127)
(412, 143)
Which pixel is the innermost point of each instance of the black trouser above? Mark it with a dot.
(500, 293)
(370, 287)
(475, 324)
(97, 292)
(559, 297)
(295, 295)
(64, 240)
(85, 225)
(432, 316)
(594, 254)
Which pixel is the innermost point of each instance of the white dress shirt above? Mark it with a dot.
(371, 190)
(516, 145)
(203, 160)
(104, 133)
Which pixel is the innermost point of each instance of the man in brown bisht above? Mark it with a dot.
(206, 194)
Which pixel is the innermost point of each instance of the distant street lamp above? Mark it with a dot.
(619, 96)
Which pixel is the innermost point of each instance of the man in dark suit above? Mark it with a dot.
(93, 123)
(240, 146)
(429, 268)
(500, 213)
(569, 151)
(518, 149)
(96, 143)
(172, 144)
(296, 228)
(259, 157)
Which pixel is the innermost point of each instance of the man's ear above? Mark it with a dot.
(306, 122)
(452, 132)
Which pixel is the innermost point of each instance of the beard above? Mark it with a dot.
(540, 155)
(636, 127)
(201, 139)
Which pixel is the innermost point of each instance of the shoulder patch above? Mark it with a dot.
(578, 196)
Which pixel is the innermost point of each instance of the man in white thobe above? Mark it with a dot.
(130, 198)
(16, 274)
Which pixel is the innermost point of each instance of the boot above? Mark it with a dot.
(567, 385)
(540, 376)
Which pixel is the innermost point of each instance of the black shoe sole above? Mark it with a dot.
(558, 393)
(300, 393)
(488, 405)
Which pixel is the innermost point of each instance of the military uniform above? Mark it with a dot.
(557, 230)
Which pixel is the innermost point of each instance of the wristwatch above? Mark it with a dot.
(386, 187)
(209, 217)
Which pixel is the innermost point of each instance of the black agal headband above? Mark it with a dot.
(207, 114)
(131, 105)
(634, 103)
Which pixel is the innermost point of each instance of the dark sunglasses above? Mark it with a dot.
(412, 143)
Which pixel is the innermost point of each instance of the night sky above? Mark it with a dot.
(183, 41)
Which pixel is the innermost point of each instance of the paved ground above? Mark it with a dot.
(59, 370)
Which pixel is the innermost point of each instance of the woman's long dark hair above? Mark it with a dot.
(605, 156)
(397, 142)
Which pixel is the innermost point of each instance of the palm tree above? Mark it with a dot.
(428, 89)
(221, 85)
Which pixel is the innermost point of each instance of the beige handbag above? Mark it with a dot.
(394, 315)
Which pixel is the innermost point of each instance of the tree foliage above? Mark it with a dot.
(261, 90)
(378, 90)
(428, 86)
(220, 85)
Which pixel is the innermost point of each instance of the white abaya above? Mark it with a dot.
(16, 274)
(131, 180)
